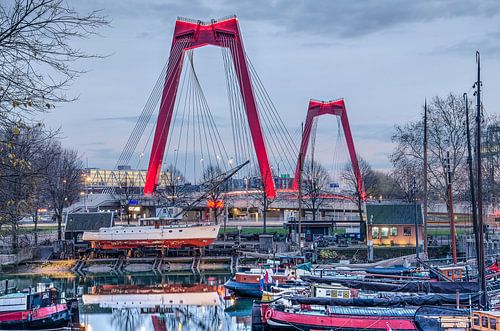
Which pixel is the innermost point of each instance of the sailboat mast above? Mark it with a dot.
(471, 179)
(425, 178)
(480, 254)
(451, 213)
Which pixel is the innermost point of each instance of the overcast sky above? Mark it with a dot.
(383, 56)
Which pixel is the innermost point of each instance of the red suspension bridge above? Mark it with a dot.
(187, 140)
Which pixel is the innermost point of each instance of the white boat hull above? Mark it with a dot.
(174, 236)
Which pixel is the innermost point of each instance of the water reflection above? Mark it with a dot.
(152, 302)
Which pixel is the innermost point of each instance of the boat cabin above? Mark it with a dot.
(486, 321)
(330, 291)
(157, 222)
(453, 272)
(29, 299)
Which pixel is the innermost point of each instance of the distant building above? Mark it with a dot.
(123, 179)
(394, 224)
(77, 223)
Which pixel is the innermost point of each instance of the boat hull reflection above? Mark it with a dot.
(130, 296)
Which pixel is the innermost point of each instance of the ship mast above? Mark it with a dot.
(480, 254)
(425, 179)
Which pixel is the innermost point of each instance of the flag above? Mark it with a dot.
(261, 287)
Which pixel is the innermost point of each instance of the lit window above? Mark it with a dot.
(394, 232)
(375, 232)
(407, 231)
(384, 232)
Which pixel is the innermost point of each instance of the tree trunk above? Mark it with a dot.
(35, 220)
(264, 216)
(313, 203)
(362, 223)
(59, 226)
(14, 237)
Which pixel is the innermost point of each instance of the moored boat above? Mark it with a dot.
(153, 233)
(42, 308)
(252, 283)
(280, 317)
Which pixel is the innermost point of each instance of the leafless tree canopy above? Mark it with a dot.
(37, 59)
(63, 180)
(446, 132)
(315, 181)
(173, 187)
(35, 171)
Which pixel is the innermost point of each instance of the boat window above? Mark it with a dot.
(375, 232)
(169, 230)
(484, 321)
(394, 231)
(180, 230)
(493, 323)
(476, 320)
(407, 231)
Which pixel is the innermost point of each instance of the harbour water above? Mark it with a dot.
(150, 302)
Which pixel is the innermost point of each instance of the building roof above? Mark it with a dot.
(393, 214)
(88, 221)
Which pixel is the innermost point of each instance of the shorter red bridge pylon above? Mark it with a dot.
(337, 108)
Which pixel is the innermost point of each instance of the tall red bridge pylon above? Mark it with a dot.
(189, 34)
(337, 108)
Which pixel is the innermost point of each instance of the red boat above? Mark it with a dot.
(33, 310)
(277, 317)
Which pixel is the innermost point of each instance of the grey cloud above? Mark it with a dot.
(488, 44)
(348, 18)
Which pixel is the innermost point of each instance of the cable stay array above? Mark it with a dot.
(196, 148)
(328, 152)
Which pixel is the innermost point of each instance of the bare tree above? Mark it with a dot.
(314, 186)
(37, 61)
(262, 198)
(211, 176)
(370, 182)
(21, 169)
(446, 132)
(404, 174)
(63, 181)
(173, 187)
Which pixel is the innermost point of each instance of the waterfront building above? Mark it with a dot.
(394, 224)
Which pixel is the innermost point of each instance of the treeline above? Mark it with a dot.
(446, 132)
(37, 65)
(35, 172)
